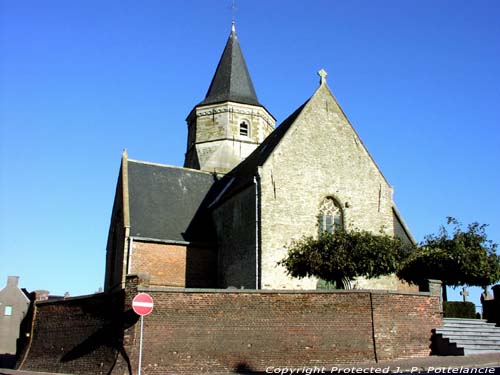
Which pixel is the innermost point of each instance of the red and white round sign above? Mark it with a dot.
(142, 304)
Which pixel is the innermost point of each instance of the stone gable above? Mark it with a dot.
(319, 156)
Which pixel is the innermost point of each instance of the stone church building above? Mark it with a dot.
(247, 189)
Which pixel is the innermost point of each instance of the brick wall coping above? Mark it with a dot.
(63, 299)
(278, 291)
(171, 242)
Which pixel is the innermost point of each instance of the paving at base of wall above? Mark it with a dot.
(416, 364)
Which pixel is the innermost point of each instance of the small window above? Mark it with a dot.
(244, 129)
(8, 310)
(330, 216)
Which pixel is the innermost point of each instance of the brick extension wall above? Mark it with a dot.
(175, 265)
(212, 331)
(81, 335)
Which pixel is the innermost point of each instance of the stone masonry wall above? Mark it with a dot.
(214, 139)
(116, 242)
(222, 121)
(320, 156)
(235, 225)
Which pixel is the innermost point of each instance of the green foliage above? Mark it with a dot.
(455, 309)
(457, 258)
(345, 255)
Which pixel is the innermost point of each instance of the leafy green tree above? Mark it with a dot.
(462, 257)
(345, 255)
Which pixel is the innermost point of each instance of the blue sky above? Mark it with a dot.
(82, 80)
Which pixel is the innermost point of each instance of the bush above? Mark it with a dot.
(344, 255)
(455, 309)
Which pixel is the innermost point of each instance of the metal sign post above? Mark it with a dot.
(140, 346)
(142, 305)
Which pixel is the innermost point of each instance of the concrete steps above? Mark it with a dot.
(466, 337)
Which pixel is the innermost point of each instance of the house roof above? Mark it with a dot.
(168, 203)
(231, 81)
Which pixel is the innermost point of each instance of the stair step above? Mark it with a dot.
(472, 326)
(467, 324)
(464, 343)
(453, 332)
(467, 336)
(463, 320)
(469, 329)
(475, 343)
(480, 351)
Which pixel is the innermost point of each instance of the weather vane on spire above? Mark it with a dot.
(233, 11)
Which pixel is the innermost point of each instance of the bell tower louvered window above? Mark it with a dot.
(244, 129)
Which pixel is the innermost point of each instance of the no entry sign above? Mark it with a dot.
(142, 304)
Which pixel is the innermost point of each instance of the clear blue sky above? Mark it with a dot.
(82, 80)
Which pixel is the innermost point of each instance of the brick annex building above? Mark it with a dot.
(246, 191)
(204, 241)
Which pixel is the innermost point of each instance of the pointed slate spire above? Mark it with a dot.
(231, 81)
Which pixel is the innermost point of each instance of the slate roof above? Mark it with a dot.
(168, 203)
(231, 81)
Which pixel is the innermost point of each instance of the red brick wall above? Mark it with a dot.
(403, 324)
(220, 331)
(78, 336)
(175, 265)
(217, 332)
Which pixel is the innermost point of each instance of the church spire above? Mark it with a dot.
(231, 81)
(230, 122)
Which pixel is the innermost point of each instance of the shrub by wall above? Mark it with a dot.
(457, 309)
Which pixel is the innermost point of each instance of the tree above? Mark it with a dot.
(457, 258)
(345, 255)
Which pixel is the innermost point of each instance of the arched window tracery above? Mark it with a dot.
(330, 215)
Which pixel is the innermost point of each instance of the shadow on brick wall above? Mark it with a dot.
(80, 335)
(110, 335)
(245, 368)
(7, 360)
(201, 266)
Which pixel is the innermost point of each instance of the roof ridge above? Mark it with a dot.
(168, 166)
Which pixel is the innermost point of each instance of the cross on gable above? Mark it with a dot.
(322, 74)
(464, 293)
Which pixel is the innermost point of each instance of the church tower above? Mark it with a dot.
(230, 122)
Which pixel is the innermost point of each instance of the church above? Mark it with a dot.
(247, 189)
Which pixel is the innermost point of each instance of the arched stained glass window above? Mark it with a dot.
(330, 215)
